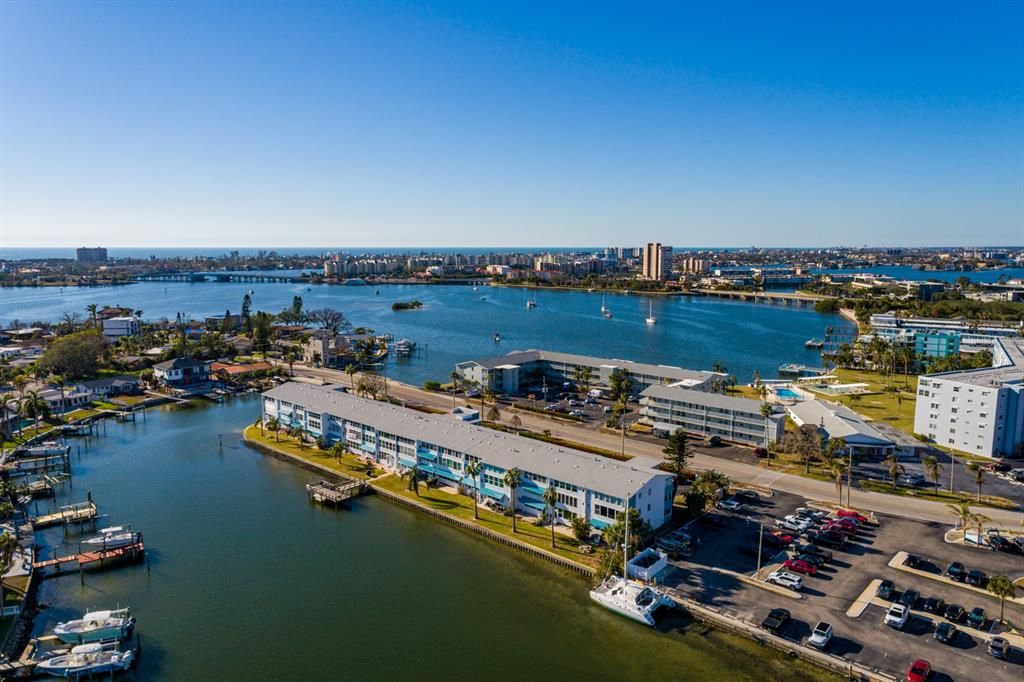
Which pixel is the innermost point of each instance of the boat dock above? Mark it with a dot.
(80, 560)
(326, 492)
(80, 512)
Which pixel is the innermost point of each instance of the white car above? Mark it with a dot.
(729, 505)
(793, 523)
(821, 636)
(910, 479)
(897, 616)
(810, 514)
(786, 579)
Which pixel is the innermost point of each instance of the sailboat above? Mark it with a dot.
(531, 303)
(606, 312)
(630, 598)
(651, 319)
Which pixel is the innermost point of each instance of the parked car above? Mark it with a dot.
(954, 613)
(909, 598)
(897, 616)
(786, 579)
(913, 561)
(760, 453)
(800, 566)
(849, 513)
(828, 539)
(976, 618)
(934, 605)
(976, 578)
(912, 479)
(956, 571)
(999, 647)
(997, 466)
(747, 495)
(813, 515)
(1000, 544)
(795, 525)
(808, 548)
(729, 505)
(945, 632)
(919, 671)
(848, 531)
(776, 620)
(821, 636)
(781, 536)
(885, 589)
(812, 559)
(577, 413)
(713, 441)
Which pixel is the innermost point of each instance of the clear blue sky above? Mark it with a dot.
(508, 123)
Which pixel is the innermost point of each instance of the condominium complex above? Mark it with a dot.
(95, 255)
(941, 335)
(668, 408)
(395, 438)
(980, 411)
(533, 369)
(657, 261)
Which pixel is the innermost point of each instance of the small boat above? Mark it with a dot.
(606, 314)
(814, 343)
(651, 319)
(497, 337)
(112, 538)
(605, 308)
(96, 626)
(46, 449)
(405, 347)
(87, 659)
(590, 290)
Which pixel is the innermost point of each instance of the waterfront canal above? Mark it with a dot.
(248, 580)
(458, 323)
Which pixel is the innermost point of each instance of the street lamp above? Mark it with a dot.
(760, 541)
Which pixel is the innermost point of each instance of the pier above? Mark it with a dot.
(80, 512)
(77, 561)
(327, 492)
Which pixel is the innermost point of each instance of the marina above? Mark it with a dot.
(328, 492)
(79, 512)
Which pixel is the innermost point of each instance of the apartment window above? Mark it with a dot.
(566, 499)
(494, 481)
(956, 389)
(953, 410)
(607, 512)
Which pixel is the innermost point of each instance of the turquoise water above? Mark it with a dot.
(457, 323)
(250, 581)
(786, 393)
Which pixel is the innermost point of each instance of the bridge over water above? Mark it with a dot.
(216, 277)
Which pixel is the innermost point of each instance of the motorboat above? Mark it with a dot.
(814, 343)
(96, 626)
(631, 598)
(497, 337)
(111, 538)
(49, 448)
(87, 659)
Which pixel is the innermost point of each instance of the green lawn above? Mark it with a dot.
(876, 404)
(349, 465)
(939, 495)
(461, 507)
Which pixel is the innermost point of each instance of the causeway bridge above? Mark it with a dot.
(777, 298)
(217, 277)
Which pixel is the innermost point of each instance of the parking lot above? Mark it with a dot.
(726, 545)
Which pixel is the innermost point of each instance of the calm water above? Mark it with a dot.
(250, 581)
(457, 323)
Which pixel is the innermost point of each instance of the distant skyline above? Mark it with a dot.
(389, 124)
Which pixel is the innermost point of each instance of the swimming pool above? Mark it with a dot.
(787, 394)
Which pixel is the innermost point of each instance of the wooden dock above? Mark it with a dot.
(80, 512)
(328, 492)
(81, 560)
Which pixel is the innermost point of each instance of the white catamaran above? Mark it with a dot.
(630, 598)
(96, 626)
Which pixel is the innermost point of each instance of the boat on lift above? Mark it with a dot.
(96, 626)
(112, 538)
(86, 660)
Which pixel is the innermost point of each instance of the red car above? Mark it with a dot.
(919, 671)
(783, 537)
(845, 521)
(843, 528)
(800, 566)
(850, 514)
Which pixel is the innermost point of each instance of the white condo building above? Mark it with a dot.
(979, 411)
(397, 438)
(709, 414)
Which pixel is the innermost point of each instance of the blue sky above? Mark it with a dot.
(487, 123)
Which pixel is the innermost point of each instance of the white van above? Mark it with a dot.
(595, 393)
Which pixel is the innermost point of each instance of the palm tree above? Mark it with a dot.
(838, 467)
(767, 409)
(513, 477)
(337, 450)
(894, 468)
(1002, 587)
(551, 499)
(91, 309)
(979, 476)
(963, 513)
(932, 468)
(6, 400)
(454, 376)
(275, 426)
(414, 479)
(61, 382)
(350, 370)
(979, 521)
(473, 471)
(33, 406)
(8, 545)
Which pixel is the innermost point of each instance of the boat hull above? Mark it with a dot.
(104, 634)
